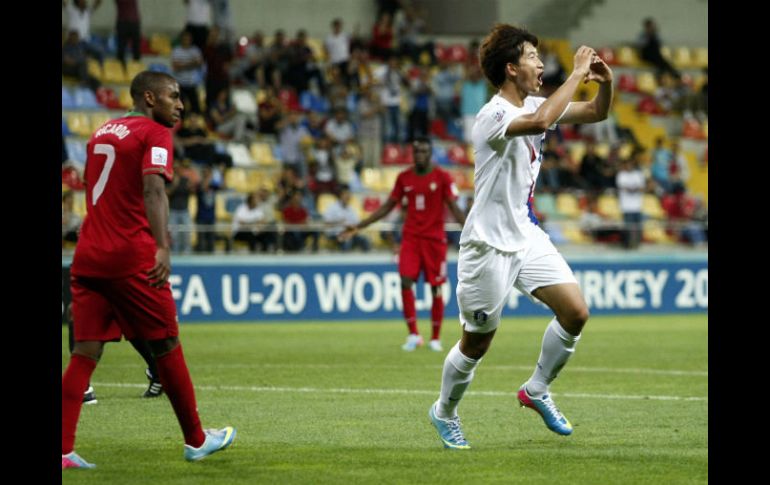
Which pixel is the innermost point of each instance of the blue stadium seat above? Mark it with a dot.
(76, 150)
(65, 129)
(85, 99)
(159, 67)
(67, 99)
(440, 155)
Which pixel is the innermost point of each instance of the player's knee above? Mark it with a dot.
(406, 283)
(92, 350)
(163, 346)
(576, 318)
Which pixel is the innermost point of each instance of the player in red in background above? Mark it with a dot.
(424, 190)
(119, 274)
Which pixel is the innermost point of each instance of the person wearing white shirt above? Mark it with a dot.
(631, 182)
(340, 215)
(502, 245)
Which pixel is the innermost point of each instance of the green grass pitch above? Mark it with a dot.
(342, 403)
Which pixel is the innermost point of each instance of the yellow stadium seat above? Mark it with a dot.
(700, 57)
(577, 150)
(133, 68)
(575, 235)
(682, 58)
(651, 207)
(567, 205)
(646, 83)
(609, 206)
(324, 202)
(655, 231)
(628, 57)
(262, 153)
(316, 46)
(161, 44)
(665, 51)
(95, 69)
(98, 119)
(602, 149)
(236, 179)
(113, 72)
(79, 123)
(124, 98)
(372, 179)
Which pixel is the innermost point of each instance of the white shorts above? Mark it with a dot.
(486, 277)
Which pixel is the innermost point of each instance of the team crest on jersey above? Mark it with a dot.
(498, 116)
(159, 156)
(433, 186)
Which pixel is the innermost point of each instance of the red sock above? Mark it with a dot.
(436, 316)
(410, 314)
(74, 383)
(176, 381)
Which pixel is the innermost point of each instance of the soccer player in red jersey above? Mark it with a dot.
(424, 190)
(121, 266)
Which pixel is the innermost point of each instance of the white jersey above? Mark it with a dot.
(505, 175)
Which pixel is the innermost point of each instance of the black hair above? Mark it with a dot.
(504, 44)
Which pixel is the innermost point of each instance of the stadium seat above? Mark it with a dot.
(371, 203)
(575, 235)
(458, 53)
(608, 206)
(159, 67)
(84, 99)
(65, 129)
(391, 154)
(627, 83)
(262, 153)
(655, 232)
(567, 205)
(98, 119)
(700, 57)
(107, 98)
(124, 98)
(607, 55)
(244, 101)
(289, 99)
(681, 58)
(628, 57)
(113, 72)
(95, 69)
(240, 155)
(76, 150)
(458, 154)
(646, 83)
(133, 68)
(324, 201)
(372, 179)
(236, 179)
(441, 53)
(546, 204)
(602, 149)
(651, 207)
(576, 151)
(79, 123)
(160, 44)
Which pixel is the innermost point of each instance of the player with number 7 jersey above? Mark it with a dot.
(116, 240)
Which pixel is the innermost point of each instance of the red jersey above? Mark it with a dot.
(424, 196)
(115, 239)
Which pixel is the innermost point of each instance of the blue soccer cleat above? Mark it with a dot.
(544, 405)
(449, 431)
(216, 439)
(73, 460)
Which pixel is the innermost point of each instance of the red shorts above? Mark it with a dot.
(104, 309)
(423, 255)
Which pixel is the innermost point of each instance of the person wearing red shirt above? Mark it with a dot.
(121, 266)
(424, 190)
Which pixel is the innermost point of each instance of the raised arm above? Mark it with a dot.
(156, 208)
(598, 108)
(553, 107)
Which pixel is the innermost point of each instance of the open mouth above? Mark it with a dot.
(540, 79)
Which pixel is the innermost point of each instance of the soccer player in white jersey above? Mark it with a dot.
(502, 246)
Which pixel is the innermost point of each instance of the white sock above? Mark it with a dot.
(558, 346)
(456, 377)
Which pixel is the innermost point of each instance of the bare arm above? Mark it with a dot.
(156, 207)
(376, 216)
(598, 108)
(548, 112)
(456, 211)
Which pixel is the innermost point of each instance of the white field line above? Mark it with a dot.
(611, 370)
(319, 390)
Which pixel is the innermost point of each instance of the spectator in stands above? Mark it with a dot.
(473, 96)
(604, 131)
(421, 94)
(296, 213)
(321, 168)
(218, 55)
(597, 225)
(670, 94)
(226, 120)
(187, 65)
(345, 162)
(339, 129)
(445, 88)
(270, 112)
(704, 91)
(381, 46)
(293, 138)
(686, 216)
(392, 81)
(192, 141)
(669, 168)
(370, 126)
(198, 21)
(183, 185)
(253, 222)
(631, 183)
(337, 47)
(222, 18)
(70, 220)
(649, 45)
(595, 173)
(74, 61)
(277, 60)
(302, 67)
(557, 170)
(410, 27)
(252, 65)
(79, 20)
(288, 183)
(678, 168)
(205, 217)
(359, 69)
(128, 29)
(339, 215)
